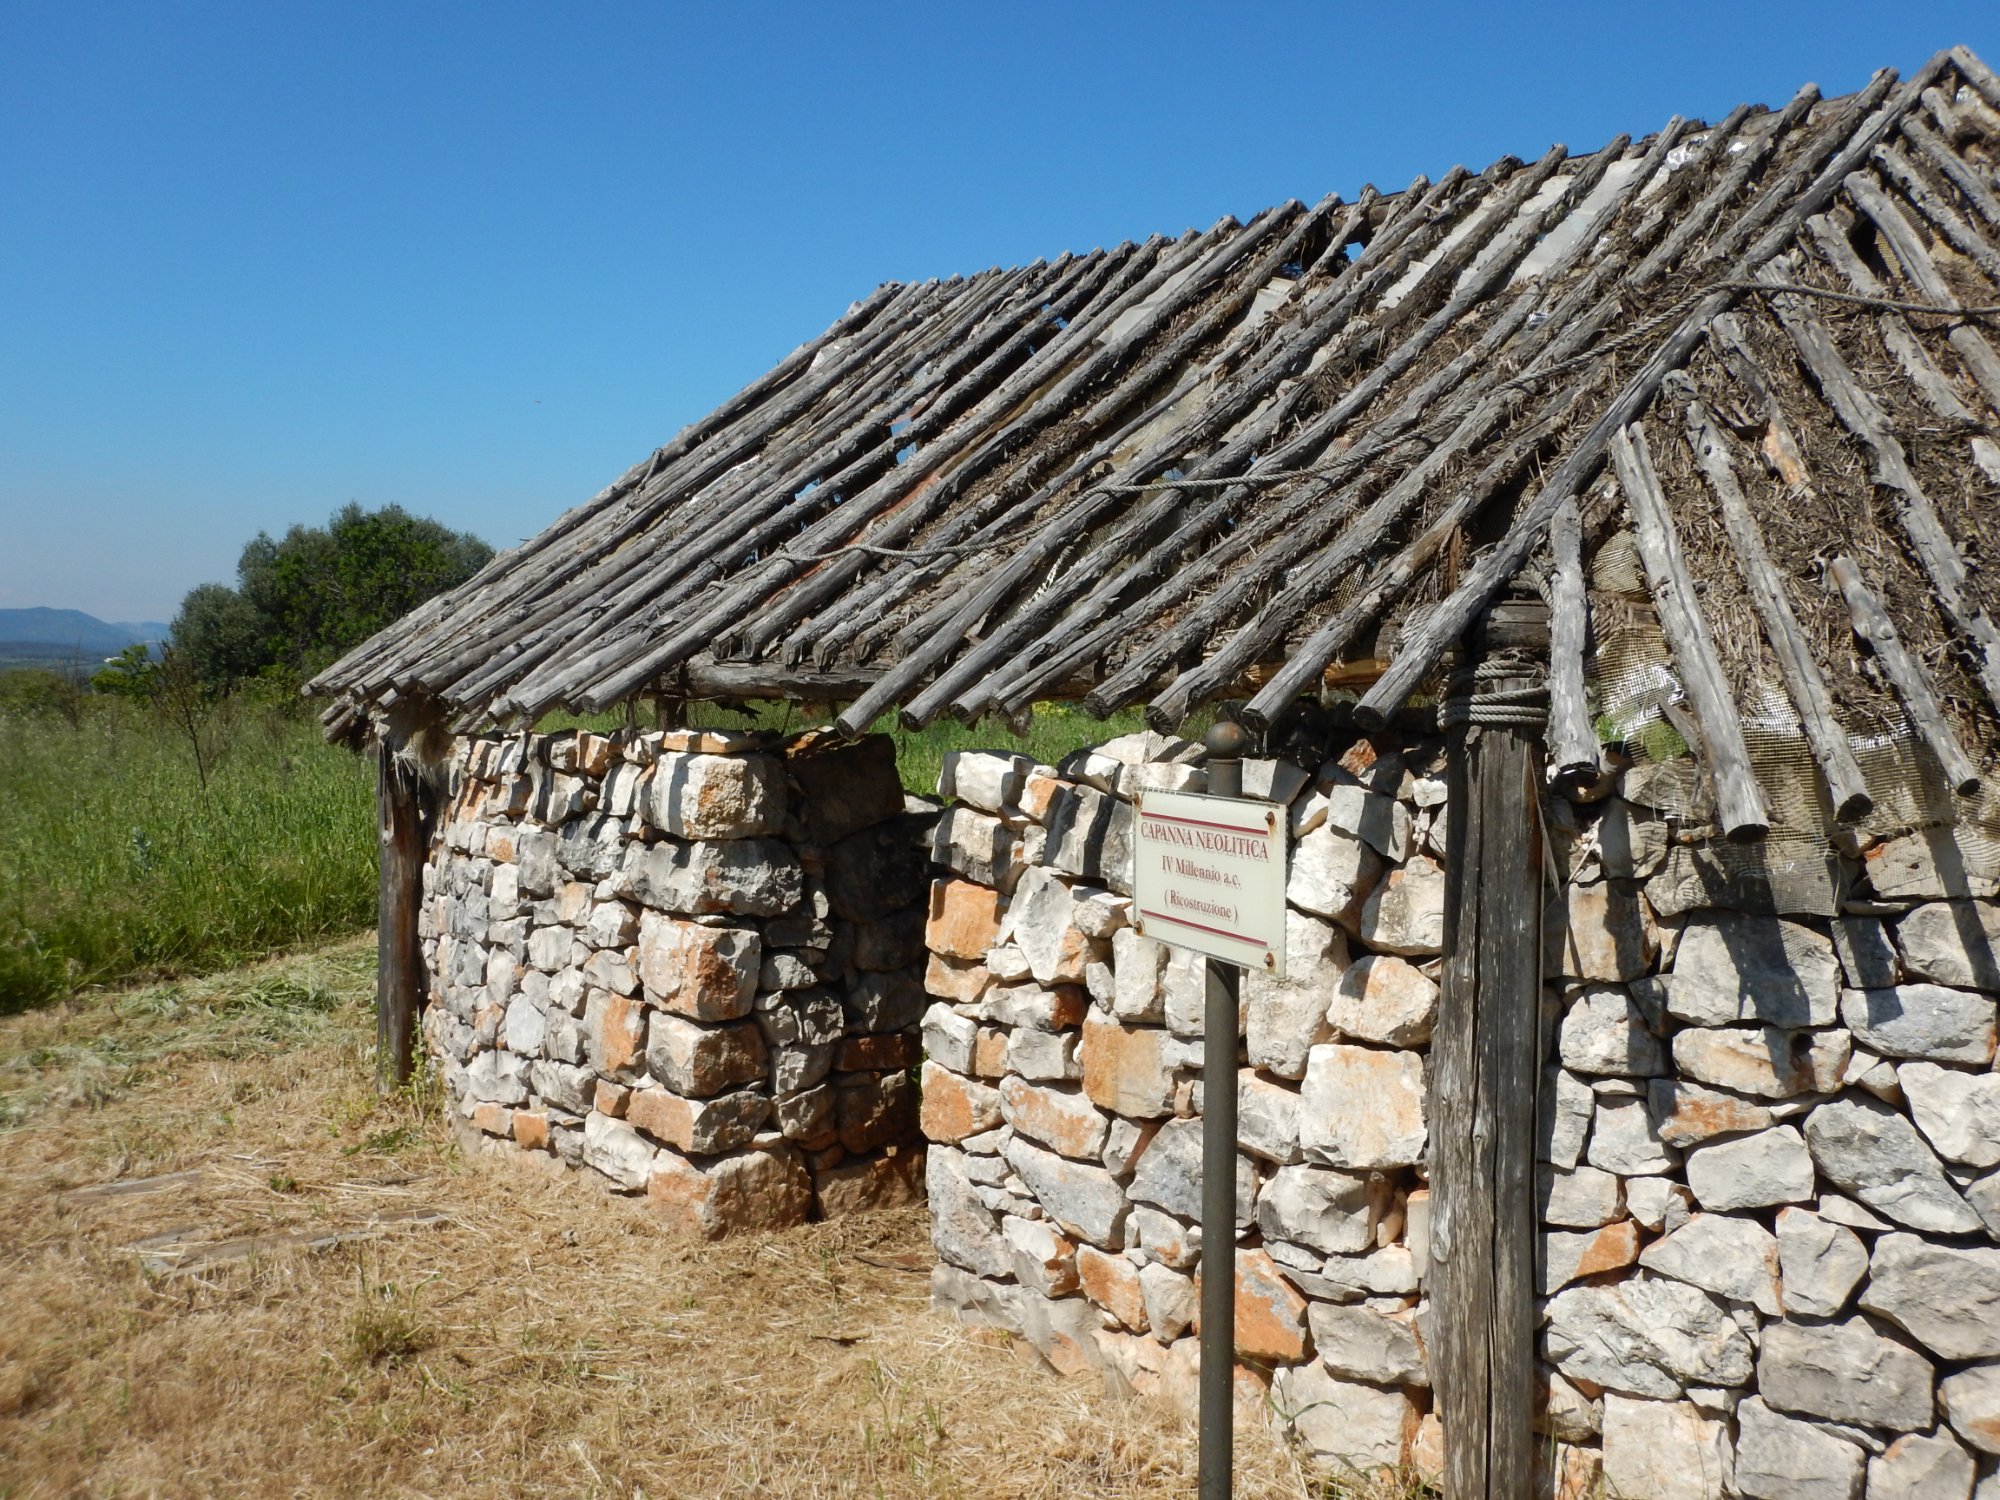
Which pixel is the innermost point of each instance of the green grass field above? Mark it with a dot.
(116, 863)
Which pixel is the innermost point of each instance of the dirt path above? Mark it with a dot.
(296, 1289)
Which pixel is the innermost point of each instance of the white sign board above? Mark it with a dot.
(1209, 874)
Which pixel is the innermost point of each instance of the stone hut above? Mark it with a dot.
(1597, 548)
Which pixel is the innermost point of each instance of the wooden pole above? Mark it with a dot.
(1485, 1065)
(399, 961)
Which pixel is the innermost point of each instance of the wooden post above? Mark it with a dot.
(1485, 1066)
(399, 960)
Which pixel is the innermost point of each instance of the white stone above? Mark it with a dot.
(1865, 1148)
(1383, 823)
(1582, 1198)
(1732, 967)
(1332, 875)
(1040, 921)
(1623, 1140)
(496, 1078)
(1361, 1344)
(949, 1038)
(1086, 1200)
(1920, 1467)
(1267, 1117)
(617, 1150)
(963, 1230)
(987, 779)
(695, 796)
(1753, 1171)
(1821, 1263)
(1563, 1116)
(1604, 1031)
(1767, 1062)
(1139, 964)
(1867, 958)
(1946, 1298)
(1169, 1174)
(1044, 1260)
(1285, 1018)
(1356, 1427)
(1169, 1299)
(1781, 1458)
(1952, 942)
(1649, 1199)
(1971, 1402)
(1665, 1450)
(1922, 1020)
(1405, 914)
(1388, 1272)
(1333, 1212)
(1959, 1113)
(1732, 1257)
(1363, 1107)
(1932, 864)
(1646, 1338)
(1844, 1372)
(1383, 999)
(1046, 1056)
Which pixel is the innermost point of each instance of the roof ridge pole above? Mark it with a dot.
(1450, 618)
(1739, 800)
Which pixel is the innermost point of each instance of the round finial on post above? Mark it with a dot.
(1226, 741)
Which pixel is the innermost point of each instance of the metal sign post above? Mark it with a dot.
(1210, 876)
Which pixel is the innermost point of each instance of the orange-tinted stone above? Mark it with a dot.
(989, 1052)
(612, 1098)
(1612, 1247)
(955, 1107)
(1112, 1282)
(1270, 1312)
(531, 1129)
(494, 1119)
(1125, 1068)
(964, 919)
(956, 979)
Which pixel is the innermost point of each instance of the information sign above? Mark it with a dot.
(1209, 874)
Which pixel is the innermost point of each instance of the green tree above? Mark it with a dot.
(129, 674)
(303, 600)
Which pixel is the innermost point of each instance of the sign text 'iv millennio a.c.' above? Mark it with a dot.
(1209, 874)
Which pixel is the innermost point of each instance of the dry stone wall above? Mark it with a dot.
(1769, 1181)
(1063, 1085)
(687, 962)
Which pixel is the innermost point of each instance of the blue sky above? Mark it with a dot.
(260, 260)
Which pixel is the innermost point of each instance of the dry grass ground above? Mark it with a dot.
(539, 1339)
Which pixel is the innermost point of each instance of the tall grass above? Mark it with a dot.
(115, 863)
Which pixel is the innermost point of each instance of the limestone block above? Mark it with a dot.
(1604, 1032)
(1333, 1212)
(1623, 1140)
(1164, 1238)
(811, 1017)
(697, 1061)
(874, 1109)
(1868, 960)
(1767, 1062)
(1932, 864)
(1332, 875)
(879, 870)
(844, 786)
(1058, 1115)
(1959, 1113)
(1112, 1282)
(1267, 1117)
(884, 1002)
(610, 971)
(888, 1179)
(1564, 1111)
(1405, 913)
(1820, 1261)
(701, 1127)
(986, 779)
(1128, 1070)
(962, 980)
(963, 1230)
(496, 1078)
(1946, 1298)
(1139, 965)
(1389, 1272)
(1922, 1021)
(1665, 1450)
(1753, 1171)
(1362, 1107)
(1055, 1009)
(1090, 836)
(1865, 1148)
(1347, 1424)
(524, 1028)
(749, 877)
(1040, 922)
(1383, 999)
(1581, 1198)
(806, 1115)
(615, 1032)
(1169, 1298)
(1782, 1458)
(745, 1190)
(1686, 1114)
(784, 971)
(1566, 1257)
(955, 1106)
(618, 1151)
(1609, 935)
(1283, 1018)
(1734, 967)
(1064, 1331)
(1085, 1200)
(1363, 1344)
(1270, 1313)
(1951, 942)
(1569, 1415)
(1971, 1402)
(1044, 1258)
(1735, 1258)
(564, 1086)
(1271, 780)
(1919, 1467)
(1844, 1372)
(695, 796)
(704, 973)
(975, 845)
(1044, 1056)
(1646, 1338)
(1169, 1174)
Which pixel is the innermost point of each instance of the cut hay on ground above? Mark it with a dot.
(499, 1331)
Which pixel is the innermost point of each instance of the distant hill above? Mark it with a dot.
(42, 634)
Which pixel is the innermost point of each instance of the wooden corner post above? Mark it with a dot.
(1486, 1062)
(399, 959)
